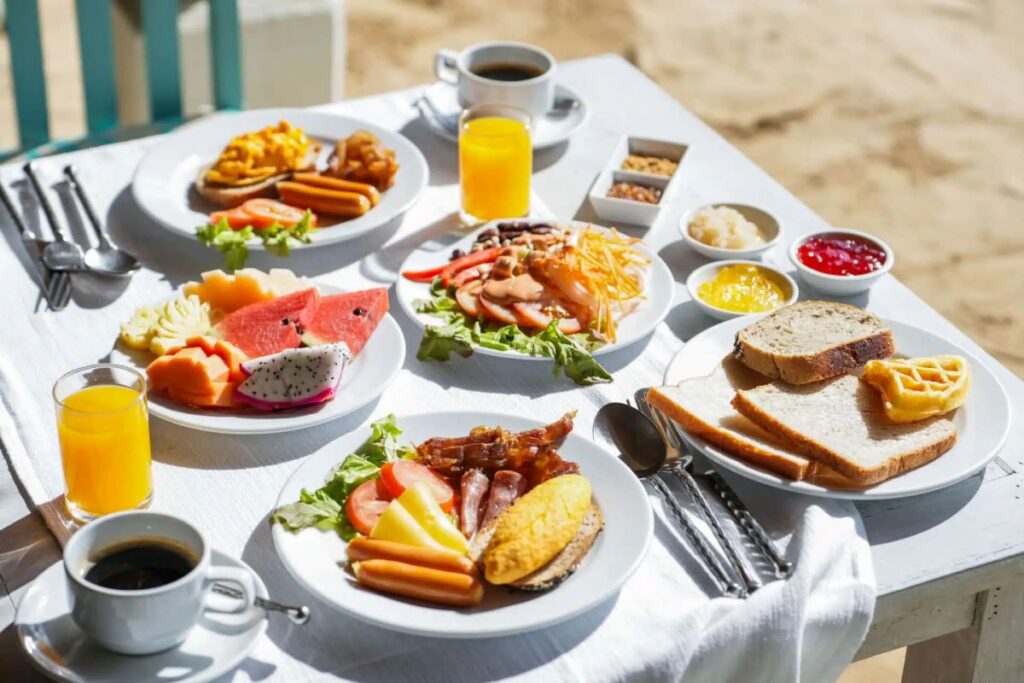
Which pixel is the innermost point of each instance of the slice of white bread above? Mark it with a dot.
(813, 340)
(702, 406)
(841, 422)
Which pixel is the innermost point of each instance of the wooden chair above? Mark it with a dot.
(96, 44)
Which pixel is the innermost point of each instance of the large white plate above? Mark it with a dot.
(982, 423)
(162, 185)
(362, 381)
(316, 558)
(659, 291)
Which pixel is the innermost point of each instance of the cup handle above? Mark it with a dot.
(242, 578)
(444, 66)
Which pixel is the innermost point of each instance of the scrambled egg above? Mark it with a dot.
(536, 528)
(252, 157)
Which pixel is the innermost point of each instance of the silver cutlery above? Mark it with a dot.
(106, 258)
(750, 579)
(643, 450)
(296, 614)
(56, 285)
(62, 253)
(744, 519)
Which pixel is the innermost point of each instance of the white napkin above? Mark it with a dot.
(661, 626)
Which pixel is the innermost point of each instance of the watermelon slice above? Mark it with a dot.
(349, 318)
(267, 327)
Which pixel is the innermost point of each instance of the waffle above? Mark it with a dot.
(917, 388)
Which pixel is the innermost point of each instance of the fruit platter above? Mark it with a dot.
(536, 290)
(462, 524)
(256, 352)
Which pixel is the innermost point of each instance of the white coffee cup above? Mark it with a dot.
(138, 622)
(535, 94)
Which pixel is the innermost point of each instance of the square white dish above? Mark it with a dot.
(615, 210)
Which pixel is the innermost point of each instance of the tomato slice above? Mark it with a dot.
(236, 218)
(531, 315)
(366, 504)
(265, 212)
(402, 474)
(468, 297)
(497, 312)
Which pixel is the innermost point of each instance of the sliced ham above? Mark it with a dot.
(474, 487)
(506, 487)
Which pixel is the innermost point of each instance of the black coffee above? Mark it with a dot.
(507, 71)
(140, 564)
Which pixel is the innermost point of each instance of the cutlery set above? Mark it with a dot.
(62, 256)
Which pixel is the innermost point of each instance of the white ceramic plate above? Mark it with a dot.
(162, 185)
(313, 556)
(546, 131)
(363, 380)
(641, 322)
(58, 648)
(982, 423)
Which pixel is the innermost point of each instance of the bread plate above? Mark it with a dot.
(163, 182)
(982, 423)
(313, 556)
(363, 380)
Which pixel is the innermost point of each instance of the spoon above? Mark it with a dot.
(61, 254)
(106, 258)
(643, 451)
(296, 614)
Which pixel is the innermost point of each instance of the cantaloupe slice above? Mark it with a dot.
(232, 356)
(247, 286)
(189, 371)
(223, 396)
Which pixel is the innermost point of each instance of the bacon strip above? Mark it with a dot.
(506, 487)
(474, 486)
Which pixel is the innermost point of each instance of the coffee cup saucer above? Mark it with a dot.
(57, 647)
(439, 108)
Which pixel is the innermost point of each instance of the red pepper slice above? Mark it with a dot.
(426, 275)
(470, 260)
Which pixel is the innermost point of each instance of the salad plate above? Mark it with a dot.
(982, 423)
(363, 380)
(317, 558)
(163, 182)
(633, 324)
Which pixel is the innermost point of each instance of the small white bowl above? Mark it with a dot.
(766, 222)
(708, 272)
(841, 285)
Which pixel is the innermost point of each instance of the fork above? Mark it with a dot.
(57, 283)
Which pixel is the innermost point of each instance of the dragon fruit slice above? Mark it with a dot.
(293, 377)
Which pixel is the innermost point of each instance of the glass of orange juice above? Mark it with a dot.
(495, 162)
(103, 427)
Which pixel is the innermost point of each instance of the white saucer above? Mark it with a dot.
(59, 649)
(547, 131)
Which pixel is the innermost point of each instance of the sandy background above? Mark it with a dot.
(905, 119)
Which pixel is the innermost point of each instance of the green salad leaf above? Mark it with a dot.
(324, 508)
(458, 333)
(233, 243)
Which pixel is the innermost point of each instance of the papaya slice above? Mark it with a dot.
(232, 356)
(189, 371)
(223, 396)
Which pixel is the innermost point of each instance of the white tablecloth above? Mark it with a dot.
(660, 626)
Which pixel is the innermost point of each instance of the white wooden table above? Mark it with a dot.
(950, 564)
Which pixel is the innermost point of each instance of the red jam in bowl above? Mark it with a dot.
(840, 255)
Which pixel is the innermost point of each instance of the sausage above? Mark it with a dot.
(317, 180)
(421, 583)
(322, 200)
(361, 549)
(474, 487)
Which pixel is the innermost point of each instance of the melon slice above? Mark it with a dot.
(228, 352)
(229, 293)
(188, 371)
(349, 318)
(268, 327)
(222, 396)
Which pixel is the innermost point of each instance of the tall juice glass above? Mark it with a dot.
(495, 162)
(103, 427)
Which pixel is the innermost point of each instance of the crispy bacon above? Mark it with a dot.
(506, 487)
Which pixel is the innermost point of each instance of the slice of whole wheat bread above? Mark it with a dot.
(841, 423)
(702, 406)
(813, 340)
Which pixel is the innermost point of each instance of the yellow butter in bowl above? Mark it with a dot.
(742, 288)
(918, 388)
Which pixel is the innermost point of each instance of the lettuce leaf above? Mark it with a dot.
(233, 243)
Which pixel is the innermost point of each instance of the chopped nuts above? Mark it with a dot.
(635, 192)
(654, 165)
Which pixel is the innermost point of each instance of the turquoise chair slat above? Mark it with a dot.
(163, 73)
(29, 78)
(96, 45)
(226, 54)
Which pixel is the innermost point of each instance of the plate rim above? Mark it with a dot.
(593, 601)
(285, 112)
(767, 478)
(659, 270)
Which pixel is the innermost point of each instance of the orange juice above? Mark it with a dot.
(495, 162)
(104, 443)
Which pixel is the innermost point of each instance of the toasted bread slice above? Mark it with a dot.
(702, 406)
(813, 340)
(841, 422)
(232, 195)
